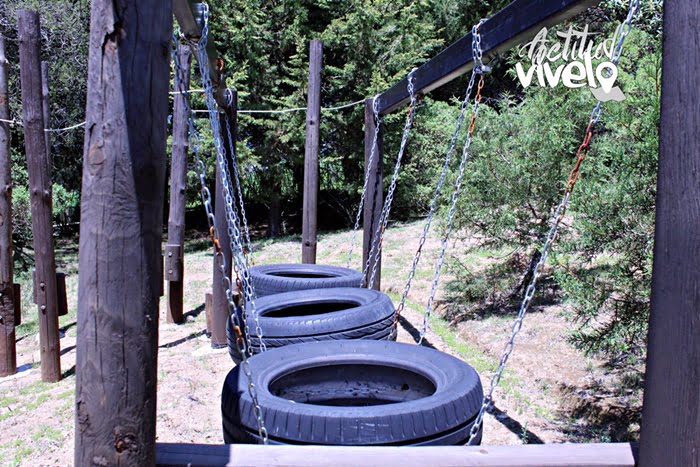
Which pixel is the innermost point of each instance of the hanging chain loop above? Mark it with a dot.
(551, 235)
(477, 70)
(242, 345)
(376, 248)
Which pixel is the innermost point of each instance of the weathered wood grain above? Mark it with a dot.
(543, 455)
(175, 268)
(40, 191)
(671, 412)
(311, 168)
(375, 192)
(124, 171)
(8, 354)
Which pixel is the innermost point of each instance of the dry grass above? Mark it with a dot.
(540, 398)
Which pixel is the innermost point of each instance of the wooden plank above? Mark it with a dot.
(671, 412)
(311, 168)
(40, 191)
(375, 192)
(17, 289)
(121, 230)
(61, 295)
(8, 299)
(175, 260)
(543, 455)
(208, 308)
(513, 25)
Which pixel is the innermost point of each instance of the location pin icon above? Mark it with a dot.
(606, 82)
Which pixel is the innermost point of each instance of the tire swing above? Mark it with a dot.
(362, 392)
(306, 302)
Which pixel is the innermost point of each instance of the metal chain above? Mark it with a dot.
(242, 345)
(378, 237)
(377, 126)
(551, 237)
(477, 70)
(246, 281)
(237, 178)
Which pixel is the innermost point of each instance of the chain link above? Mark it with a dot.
(239, 263)
(377, 126)
(376, 248)
(559, 213)
(477, 70)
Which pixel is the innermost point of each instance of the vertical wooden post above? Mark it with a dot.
(8, 354)
(375, 192)
(220, 310)
(120, 262)
(174, 251)
(671, 412)
(40, 189)
(311, 169)
(45, 107)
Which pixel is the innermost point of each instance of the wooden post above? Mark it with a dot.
(45, 107)
(174, 251)
(313, 124)
(220, 310)
(671, 412)
(8, 354)
(40, 189)
(121, 229)
(375, 192)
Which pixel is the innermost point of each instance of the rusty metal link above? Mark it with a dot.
(551, 237)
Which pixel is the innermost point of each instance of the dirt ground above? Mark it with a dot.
(542, 398)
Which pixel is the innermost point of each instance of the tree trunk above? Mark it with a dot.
(121, 230)
(274, 227)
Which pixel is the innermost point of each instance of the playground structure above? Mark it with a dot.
(670, 397)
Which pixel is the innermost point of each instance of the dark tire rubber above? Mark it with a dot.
(355, 392)
(365, 314)
(272, 279)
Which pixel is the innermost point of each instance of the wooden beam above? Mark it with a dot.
(542, 455)
(313, 131)
(375, 192)
(190, 17)
(8, 352)
(514, 24)
(671, 412)
(40, 190)
(174, 252)
(121, 230)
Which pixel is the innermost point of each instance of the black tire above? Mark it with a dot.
(272, 279)
(327, 393)
(366, 314)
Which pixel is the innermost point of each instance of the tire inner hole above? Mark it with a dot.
(308, 309)
(352, 385)
(302, 275)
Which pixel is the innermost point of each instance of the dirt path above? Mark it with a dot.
(532, 405)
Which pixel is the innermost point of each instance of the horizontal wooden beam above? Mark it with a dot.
(542, 455)
(512, 25)
(190, 17)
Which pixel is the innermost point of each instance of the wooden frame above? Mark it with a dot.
(540, 455)
(112, 430)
